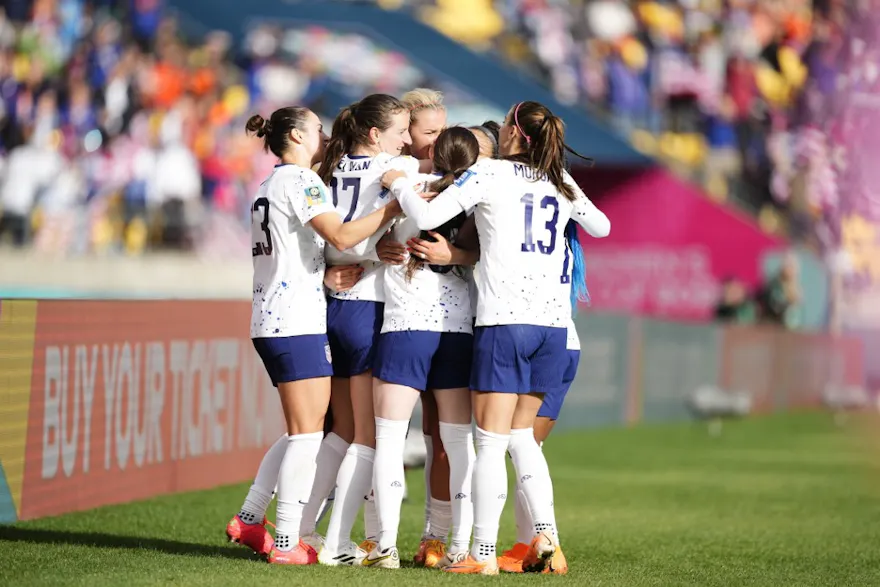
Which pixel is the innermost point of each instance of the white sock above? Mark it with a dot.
(441, 519)
(329, 458)
(260, 494)
(295, 480)
(489, 491)
(458, 440)
(352, 485)
(388, 477)
(429, 459)
(371, 514)
(534, 477)
(524, 526)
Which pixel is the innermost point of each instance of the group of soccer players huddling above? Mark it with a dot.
(417, 261)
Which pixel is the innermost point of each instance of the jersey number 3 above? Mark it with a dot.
(261, 248)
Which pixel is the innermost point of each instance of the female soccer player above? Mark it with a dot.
(426, 346)
(367, 140)
(526, 440)
(292, 216)
(520, 339)
(427, 119)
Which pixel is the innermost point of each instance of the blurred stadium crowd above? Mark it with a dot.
(116, 134)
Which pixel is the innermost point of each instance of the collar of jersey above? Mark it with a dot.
(358, 156)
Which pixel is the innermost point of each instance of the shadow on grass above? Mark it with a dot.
(101, 540)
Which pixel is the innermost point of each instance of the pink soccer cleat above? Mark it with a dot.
(301, 554)
(254, 536)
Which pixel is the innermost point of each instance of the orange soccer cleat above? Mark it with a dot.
(541, 549)
(471, 566)
(511, 561)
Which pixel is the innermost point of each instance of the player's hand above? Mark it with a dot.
(390, 251)
(342, 277)
(434, 253)
(390, 176)
(428, 196)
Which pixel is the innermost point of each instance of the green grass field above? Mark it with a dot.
(774, 501)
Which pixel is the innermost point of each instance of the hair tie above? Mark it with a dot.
(518, 127)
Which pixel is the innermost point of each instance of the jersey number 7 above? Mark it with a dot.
(347, 182)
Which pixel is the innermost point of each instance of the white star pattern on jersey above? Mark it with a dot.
(436, 300)
(357, 191)
(288, 256)
(521, 221)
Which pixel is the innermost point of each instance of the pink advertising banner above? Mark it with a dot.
(670, 246)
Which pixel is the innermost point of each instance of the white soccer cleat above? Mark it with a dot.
(348, 555)
(383, 559)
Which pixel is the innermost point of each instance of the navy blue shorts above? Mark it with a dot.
(553, 399)
(292, 358)
(518, 358)
(425, 360)
(353, 331)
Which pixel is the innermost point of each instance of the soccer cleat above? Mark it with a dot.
(348, 555)
(471, 566)
(435, 550)
(301, 554)
(557, 565)
(254, 536)
(419, 557)
(540, 550)
(314, 540)
(511, 560)
(368, 545)
(451, 558)
(382, 559)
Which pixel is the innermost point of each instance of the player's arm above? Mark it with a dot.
(368, 247)
(426, 215)
(345, 235)
(441, 252)
(585, 213)
(312, 206)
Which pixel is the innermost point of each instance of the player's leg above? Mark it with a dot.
(534, 484)
(403, 360)
(248, 526)
(499, 373)
(357, 325)
(450, 376)
(300, 366)
(429, 411)
(333, 449)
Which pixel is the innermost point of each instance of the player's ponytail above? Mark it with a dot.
(579, 292)
(352, 128)
(542, 143)
(456, 150)
(340, 142)
(275, 132)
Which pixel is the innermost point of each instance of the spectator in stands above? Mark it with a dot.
(780, 296)
(735, 305)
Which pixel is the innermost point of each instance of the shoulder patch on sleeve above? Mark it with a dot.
(464, 177)
(316, 195)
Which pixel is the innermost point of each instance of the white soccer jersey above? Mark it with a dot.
(288, 255)
(521, 222)
(436, 299)
(357, 191)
